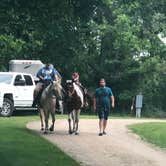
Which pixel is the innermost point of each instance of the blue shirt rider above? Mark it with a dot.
(46, 74)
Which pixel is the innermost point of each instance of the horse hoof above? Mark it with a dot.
(76, 133)
(45, 132)
(70, 132)
(51, 129)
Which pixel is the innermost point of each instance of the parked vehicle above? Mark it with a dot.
(17, 86)
(16, 90)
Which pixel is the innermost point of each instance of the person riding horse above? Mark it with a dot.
(75, 79)
(46, 74)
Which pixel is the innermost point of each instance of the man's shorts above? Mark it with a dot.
(103, 113)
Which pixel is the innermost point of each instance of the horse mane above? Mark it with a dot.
(49, 88)
(79, 93)
(54, 83)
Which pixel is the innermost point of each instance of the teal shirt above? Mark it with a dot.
(103, 97)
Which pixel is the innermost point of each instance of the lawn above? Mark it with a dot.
(154, 132)
(21, 147)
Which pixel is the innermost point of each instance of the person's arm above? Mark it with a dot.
(56, 77)
(39, 75)
(112, 98)
(94, 103)
(55, 74)
(113, 101)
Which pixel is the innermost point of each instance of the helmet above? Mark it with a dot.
(75, 76)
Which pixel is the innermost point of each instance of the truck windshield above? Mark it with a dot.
(5, 78)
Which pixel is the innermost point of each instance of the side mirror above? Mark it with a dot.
(20, 82)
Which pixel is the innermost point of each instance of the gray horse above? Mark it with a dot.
(48, 104)
(73, 103)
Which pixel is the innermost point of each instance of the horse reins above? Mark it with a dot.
(71, 93)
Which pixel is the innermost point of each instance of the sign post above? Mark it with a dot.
(138, 104)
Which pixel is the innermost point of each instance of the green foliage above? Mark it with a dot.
(114, 39)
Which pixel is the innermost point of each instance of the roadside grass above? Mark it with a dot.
(22, 147)
(154, 132)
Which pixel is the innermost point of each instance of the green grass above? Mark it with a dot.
(21, 147)
(154, 132)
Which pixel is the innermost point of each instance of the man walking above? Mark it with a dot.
(103, 98)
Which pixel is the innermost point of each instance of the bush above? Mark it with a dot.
(153, 112)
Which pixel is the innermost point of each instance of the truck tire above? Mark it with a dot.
(7, 109)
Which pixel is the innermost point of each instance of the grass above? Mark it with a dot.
(21, 147)
(154, 132)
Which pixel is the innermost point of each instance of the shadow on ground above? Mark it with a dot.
(25, 112)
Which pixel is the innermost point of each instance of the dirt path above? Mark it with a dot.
(118, 148)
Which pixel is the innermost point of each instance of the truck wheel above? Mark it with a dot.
(7, 109)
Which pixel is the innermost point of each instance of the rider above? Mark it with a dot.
(46, 74)
(75, 78)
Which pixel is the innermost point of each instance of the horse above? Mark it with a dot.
(47, 105)
(74, 102)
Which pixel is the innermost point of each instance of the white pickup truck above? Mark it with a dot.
(16, 90)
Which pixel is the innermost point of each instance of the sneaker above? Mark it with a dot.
(100, 134)
(104, 133)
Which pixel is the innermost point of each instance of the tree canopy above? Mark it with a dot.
(114, 39)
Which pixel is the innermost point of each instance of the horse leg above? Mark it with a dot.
(41, 114)
(73, 118)
(46, 115)
(77, 113)
(53, 121)
(69, 121)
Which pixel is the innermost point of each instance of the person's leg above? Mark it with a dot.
(35, 94)
(101, 120)
(104, 125)
(106, 114)
(37, 90)
(136, 112)
(139, 113)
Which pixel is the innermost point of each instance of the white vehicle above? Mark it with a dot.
(16, 90)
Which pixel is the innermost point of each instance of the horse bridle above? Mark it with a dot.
(71, 93)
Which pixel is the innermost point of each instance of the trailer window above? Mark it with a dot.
(28, 80)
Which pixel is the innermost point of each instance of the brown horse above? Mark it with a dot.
(73, 103)
(48, 104)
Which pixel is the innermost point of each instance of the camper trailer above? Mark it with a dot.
(26, 66)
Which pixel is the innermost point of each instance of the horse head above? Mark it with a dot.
(56, 88)
(69, 88)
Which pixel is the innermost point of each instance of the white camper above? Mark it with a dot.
(25, 66)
